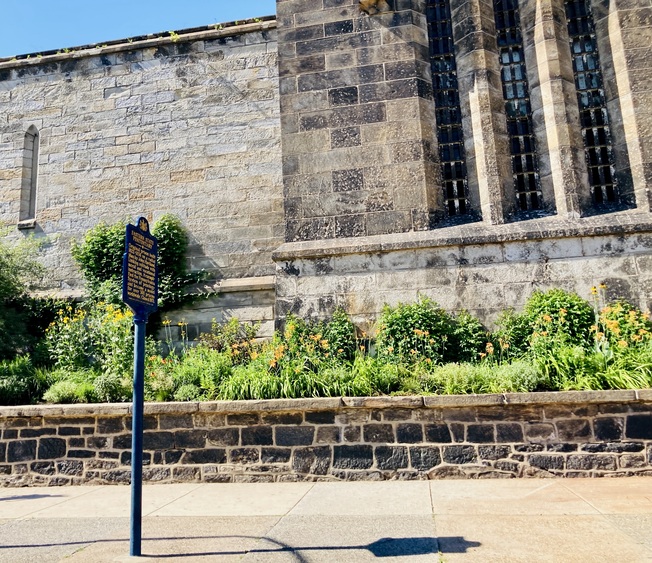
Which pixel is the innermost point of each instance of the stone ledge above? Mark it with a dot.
(330, 403)
(619, 223)
(235, 285)
(163, 38)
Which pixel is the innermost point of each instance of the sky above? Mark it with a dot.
(32, 26)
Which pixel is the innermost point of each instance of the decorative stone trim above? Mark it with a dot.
(623, 223)
(116, 46)
(568, 434)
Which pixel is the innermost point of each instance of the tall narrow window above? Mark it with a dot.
(591, 100)
(30, 175)
(517, 105)
(447, 108)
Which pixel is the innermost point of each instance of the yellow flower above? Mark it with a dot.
(622, 344)
(490, 348)
(594, 290)
(603, 286)
(547, 318)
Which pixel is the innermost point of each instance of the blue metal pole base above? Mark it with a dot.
(137, 437)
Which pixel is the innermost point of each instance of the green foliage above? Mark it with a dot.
(469, 338)
(19, 271)
(623, 325)
(99, 257)
(415, 332)
(238, 339)
(95, 335)
(201, 368)
(70, 391)
(174, 276)
(20, 382)
(340, 334)
(453, 378)
(305, 360)
(553, 315)
(19, 268)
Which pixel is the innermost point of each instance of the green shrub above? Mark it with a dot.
(187, 392)
(340, 334)
(19, 383)
(550, 318)
(623, 325)
(469, 339)
(96, 335)
(112, 388)
(70, 391)
(450, 379)
(99, 257)
(238, 339)
(19, 272)
(409, 333)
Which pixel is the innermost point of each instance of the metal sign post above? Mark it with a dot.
(140, 293)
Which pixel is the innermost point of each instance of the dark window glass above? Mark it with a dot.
(517, 105)
(447, 108)
(591, 101)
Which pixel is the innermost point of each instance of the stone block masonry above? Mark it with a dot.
(187, 125)
(571, 434)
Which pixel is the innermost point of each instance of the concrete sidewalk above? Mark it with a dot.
(392, 521)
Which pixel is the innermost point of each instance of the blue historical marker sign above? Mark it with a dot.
(140, 269)
(140, 293)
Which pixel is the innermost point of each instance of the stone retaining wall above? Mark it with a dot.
(571, 434)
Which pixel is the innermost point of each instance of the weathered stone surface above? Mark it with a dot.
(353, 457)
(313, 461)
(189, 438)
(70, 467)
(102, 456)
(208, 455)
(224, 437)
(378, 433)
(257, 435)
(113, 425)
(480, 433)
(409, 433)
(294, 436)
(244, 455)
(391, 457)
(591, 461)
(546, 462)
(275, 455)
(608, 428)
(572, 430)
(437, 433)
(21, 450)
(639, 426)
(424, 458)
(459, 454)
(51, 448)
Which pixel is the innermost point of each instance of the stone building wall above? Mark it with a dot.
(441, 147)
(572, 434)
(186, 124)
(474, 155)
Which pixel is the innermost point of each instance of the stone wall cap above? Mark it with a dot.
(644, 395)
(387, 402)
(316, 404)
(92, 409)
(434, 401)
(571, 397)
(330, 403)
(624, 222)
(216, 31)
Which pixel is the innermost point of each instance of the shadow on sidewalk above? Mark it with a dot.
(384, 547)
